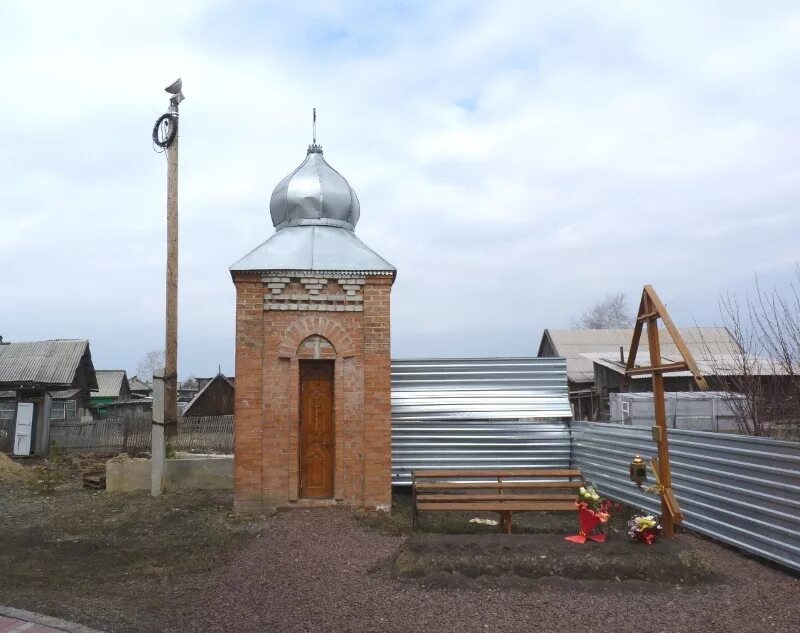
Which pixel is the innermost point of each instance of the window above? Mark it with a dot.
(7, 410)
(58, 411)
(71, 409)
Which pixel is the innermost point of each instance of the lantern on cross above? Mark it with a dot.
(638, 471)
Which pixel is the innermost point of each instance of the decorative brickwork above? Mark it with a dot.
(314, 294)
(282, 319)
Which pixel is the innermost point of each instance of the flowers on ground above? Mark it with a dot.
(644, 528)
(592, 511)
(590, 499)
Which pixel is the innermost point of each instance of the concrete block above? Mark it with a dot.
(196, 472)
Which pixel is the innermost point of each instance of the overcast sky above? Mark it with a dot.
(515, 161)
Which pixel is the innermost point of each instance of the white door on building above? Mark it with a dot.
(24, 430)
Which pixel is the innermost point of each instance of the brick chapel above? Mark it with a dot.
(312, 412)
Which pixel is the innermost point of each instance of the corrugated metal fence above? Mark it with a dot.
(434, 444)
(741, 490)
(480, 388)
(481, 412)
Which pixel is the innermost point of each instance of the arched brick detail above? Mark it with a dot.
(308, 326)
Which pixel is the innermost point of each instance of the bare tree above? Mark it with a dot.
(608, 313)
(147, 366)
(763, 364)
(190, 382)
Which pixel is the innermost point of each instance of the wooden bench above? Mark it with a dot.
(501, 491)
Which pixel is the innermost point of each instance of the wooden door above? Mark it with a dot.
(316, 435)
(23, 433)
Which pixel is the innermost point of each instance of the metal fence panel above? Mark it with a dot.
(741, 490)
(478, 412)
(432, 444)
(480, 389)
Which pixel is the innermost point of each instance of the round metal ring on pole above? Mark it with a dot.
(165, 130)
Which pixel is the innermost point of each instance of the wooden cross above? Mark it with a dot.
(650, 310)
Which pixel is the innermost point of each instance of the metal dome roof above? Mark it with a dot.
(314, 194)
(314, 211)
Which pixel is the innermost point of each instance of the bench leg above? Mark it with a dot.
(505, 522)
(413, 507)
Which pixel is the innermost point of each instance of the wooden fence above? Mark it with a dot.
(209, 434)
(6, 436)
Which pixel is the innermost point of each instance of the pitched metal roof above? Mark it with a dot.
(50, 363)
(313, 248)
(709, 365)
(64, 394)
(574, 345)
(109, 383)
(134, 384)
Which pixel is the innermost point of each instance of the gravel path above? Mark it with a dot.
(322, 570)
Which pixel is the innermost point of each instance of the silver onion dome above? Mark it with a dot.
(314, 194)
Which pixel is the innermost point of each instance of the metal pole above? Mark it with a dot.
(661, 419)
(171, 344)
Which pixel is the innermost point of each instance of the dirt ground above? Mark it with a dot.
(126, 562)
(112, 561)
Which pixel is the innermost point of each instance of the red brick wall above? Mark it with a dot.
(269, 346)
(247, 408)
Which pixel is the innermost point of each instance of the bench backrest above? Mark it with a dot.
(462, 474)
(490, 479)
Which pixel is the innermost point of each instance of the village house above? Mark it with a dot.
(139, 389)
(596, 362)
(112, 387)
(313, 375)
(214, 397)
(42, 382)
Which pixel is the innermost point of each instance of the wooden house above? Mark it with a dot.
(215, 397)
(43, 382)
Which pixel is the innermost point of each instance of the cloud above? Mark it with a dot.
(514, 161)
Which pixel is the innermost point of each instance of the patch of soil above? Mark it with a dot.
(549, 555)
(11, 471)
(115, 561)
(324, 571)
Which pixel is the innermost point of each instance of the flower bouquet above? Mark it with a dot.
(593, 510)
(644, 529)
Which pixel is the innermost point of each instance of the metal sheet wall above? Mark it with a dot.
(480, 389)
(741, 490)
(479, 412)
(476, 444)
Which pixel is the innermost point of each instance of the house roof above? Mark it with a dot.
(576, 345)
(709, 365)
(64, 394)
(134, 384)
(109, 383)
(51, 363)
(203, 389)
